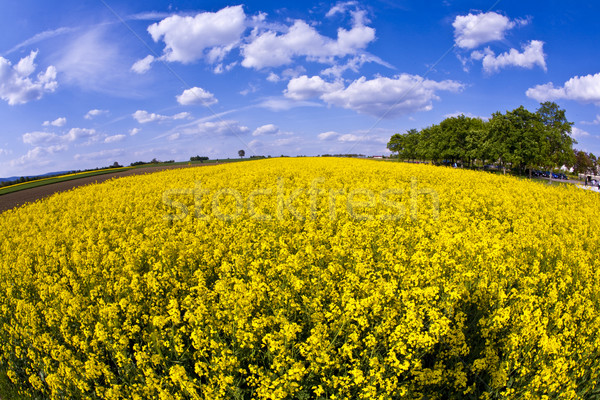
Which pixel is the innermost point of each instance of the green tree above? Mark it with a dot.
(585, 163)
(557, 135)
(516, 139)
(396, 144)
(462, 139)
(241, 153)
(405, 145)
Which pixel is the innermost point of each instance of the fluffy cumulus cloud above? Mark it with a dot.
(144, 117)
(532, 55)
(303, 87)
(583, 89)
(196, 95)
(271, 49)
(79, 133)
(57, 122)
(268, 129)
(94, 113)
(207, 35)
(18, 87)
(142, 66)
(380, 97)
(473, 30)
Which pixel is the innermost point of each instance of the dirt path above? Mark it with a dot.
(15, 199)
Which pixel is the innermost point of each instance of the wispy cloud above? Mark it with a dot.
(40, 37)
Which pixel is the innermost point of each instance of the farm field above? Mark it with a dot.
(308, 278)
(16, 195)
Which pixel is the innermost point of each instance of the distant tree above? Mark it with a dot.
(198, 158)
(585, 163)
(116, 165)
(154, 161)
(241, 153)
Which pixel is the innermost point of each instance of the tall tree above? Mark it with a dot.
(558, 135)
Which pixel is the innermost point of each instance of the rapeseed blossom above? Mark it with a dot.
(304, 278)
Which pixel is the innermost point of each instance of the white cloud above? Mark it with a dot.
(473, 30)
(207, 35)
(134, 131)
(532, 55)
(57, 122)
(390, 97)
(218, 128)
(149, 15)
(44, 138)
(79, 133)
(114, 138)
(354, 64)
(366, 137)
(578, 133)
(94, 113)
(330, 135)
(379, 97)
(283, 103)
(93, 60)
(350, 137)
(16, 85)
(142, 66)
(341, 8)
(583, 89)
(143, 116)
(40, 37)
(594, 122)
(270, 49)
(37, 138)
(196, 95)
(37, 154)
(303, 87)
(268, 129)
(4, 152)
(273, 77)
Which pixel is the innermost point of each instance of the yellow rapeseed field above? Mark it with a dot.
(308, 278)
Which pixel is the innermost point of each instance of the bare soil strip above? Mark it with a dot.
(16, 199)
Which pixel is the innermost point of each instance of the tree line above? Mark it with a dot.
(520, 140)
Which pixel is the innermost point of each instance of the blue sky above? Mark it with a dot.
(87, 83)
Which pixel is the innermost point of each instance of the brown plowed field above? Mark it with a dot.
(15, 199)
